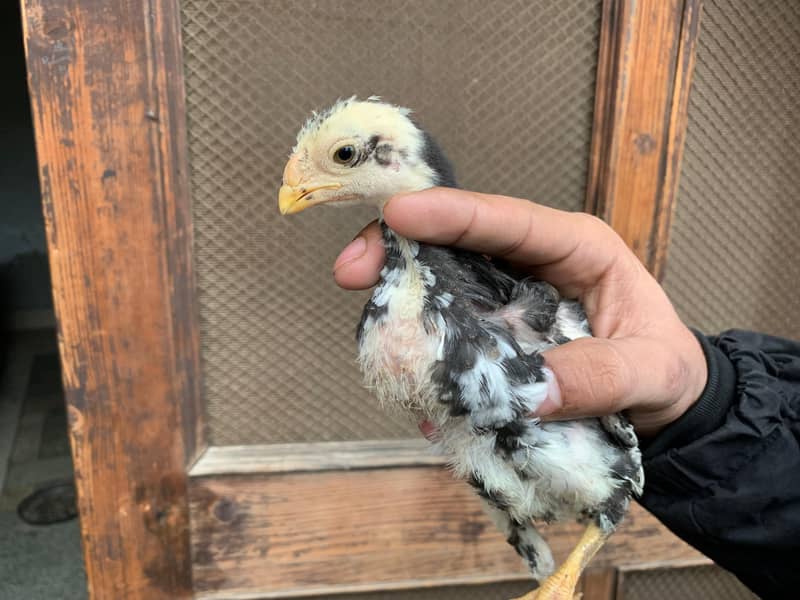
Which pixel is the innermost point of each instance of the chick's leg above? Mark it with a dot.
(561, 584)
(525, 540)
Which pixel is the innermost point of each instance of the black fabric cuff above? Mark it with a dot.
(705, 415)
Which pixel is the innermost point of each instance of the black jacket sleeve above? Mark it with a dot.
(725, 477)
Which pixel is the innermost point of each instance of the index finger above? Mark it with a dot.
(566, 248)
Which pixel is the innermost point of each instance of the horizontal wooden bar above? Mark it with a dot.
(359, 589)
(695, 561)
(281, 535)
(319, 456)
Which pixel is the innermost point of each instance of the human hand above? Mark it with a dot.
(643, 359)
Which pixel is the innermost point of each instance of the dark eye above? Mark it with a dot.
(344, 155)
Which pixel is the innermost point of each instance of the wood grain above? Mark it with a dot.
(317, 456)
(646, 60)
(107, 98)
(599, 584)
(294, 534)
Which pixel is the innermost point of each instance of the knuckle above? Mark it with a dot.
(593, 222)
(602, 230)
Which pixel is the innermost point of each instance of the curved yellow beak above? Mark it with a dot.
(293, 199)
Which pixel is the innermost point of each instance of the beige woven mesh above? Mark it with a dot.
(506, 86)
(686, 583)
(735, 239)
(493, 591)
(690, 583)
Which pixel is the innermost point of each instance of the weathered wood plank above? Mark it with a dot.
(599, 584)
(646, 60)
(107, 97)
(284, 535)
(318, 456)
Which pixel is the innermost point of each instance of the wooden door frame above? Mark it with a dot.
(644, 74)
(109, 116)
(108, 104)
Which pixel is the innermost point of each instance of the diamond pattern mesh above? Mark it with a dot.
(492, 591)
(735, 244)
(690, 583)
(508, 89)
(685, 583)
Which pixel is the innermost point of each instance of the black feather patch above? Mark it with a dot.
(383, 155)
(540, 300)
(394, 257)
(434, 157)
(366, 152)
(508, 437)
(614, 507)
(371, 311)
(493, 497)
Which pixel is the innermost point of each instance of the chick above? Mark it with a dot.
(457, 341)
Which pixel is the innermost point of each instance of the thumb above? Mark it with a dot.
(598, 376)
(359, 264)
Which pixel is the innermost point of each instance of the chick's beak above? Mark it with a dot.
(293, 199)
(293, 196)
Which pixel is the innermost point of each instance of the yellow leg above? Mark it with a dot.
(561, 584)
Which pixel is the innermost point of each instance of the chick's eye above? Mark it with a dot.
(344, 155)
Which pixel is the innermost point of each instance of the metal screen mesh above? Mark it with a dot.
(492, 591)
(685, 583)
(506, 86)
(689, 583)
(735, 239)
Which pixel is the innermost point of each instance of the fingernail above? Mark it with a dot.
(428, 429)
(552, 401)
(351, 252)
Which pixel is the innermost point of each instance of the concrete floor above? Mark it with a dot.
(40, 563)
(36, 562)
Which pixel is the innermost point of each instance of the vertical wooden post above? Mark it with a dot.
(107, 97)
(599, 584)
(645, 65)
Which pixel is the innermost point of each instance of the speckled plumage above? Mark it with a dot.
(455, 340)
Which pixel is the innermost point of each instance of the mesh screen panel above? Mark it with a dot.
(506, 87)
(735, 244)
(689, 583)
(493, 591)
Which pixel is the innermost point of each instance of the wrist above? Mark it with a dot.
(691, 380)
(696, 366)
(708, 412)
